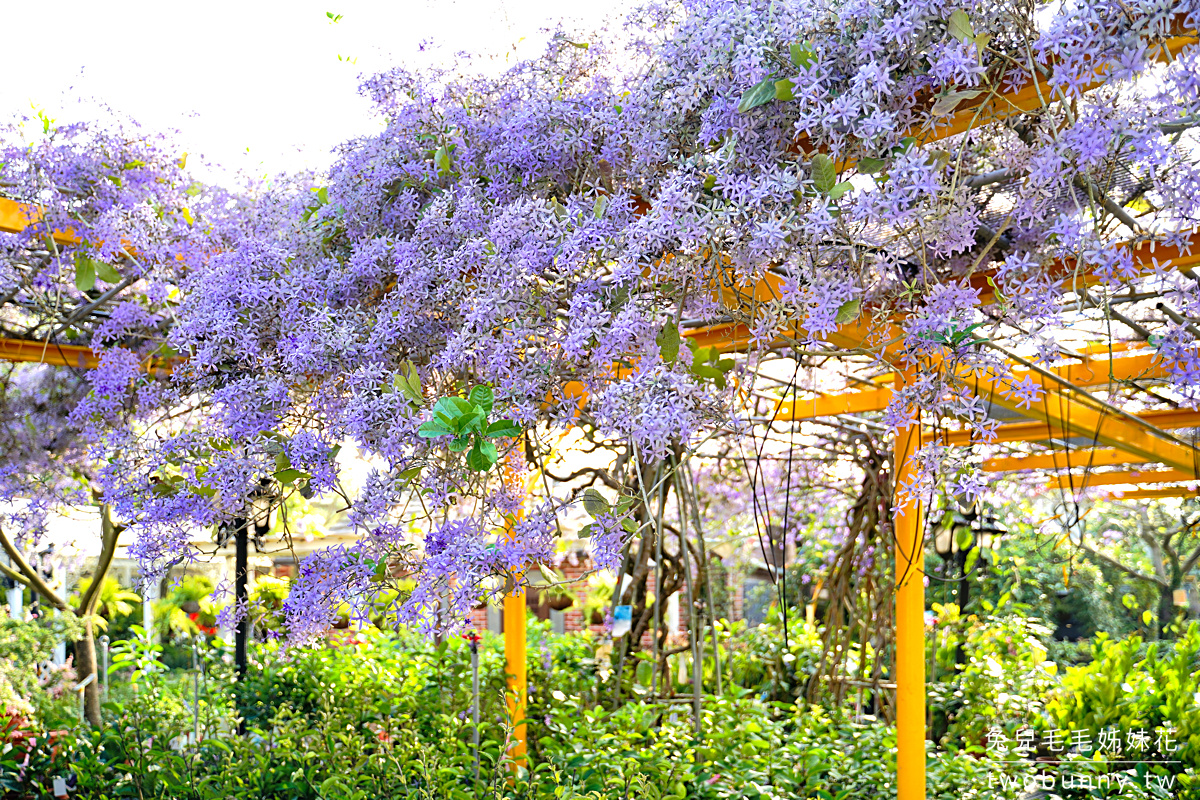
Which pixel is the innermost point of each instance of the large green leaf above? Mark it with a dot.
(444, 407)
(824, 173)
(441, 159)
(289, 476)
(483, 397)
(503, 427)
(594, 503)
(848, 311)
(947, 103)
(432, 429)
(85, 273)
(482, 456)
(803, 55)
(869, 166)
(408, 381)
(757, 95)
(840, 189)
(668, 342)
(959, 25)
(107, 272)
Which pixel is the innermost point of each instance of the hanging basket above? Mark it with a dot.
(560, 602)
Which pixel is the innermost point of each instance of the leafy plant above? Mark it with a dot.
(114, 601)
(466, 422)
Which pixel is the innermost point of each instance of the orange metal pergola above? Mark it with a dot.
(1066, 411)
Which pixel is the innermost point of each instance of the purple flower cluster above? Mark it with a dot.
(546, 233)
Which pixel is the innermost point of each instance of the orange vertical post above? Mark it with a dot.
(910, 621)
(514, 637)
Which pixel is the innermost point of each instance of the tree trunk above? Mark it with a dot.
(85, 657)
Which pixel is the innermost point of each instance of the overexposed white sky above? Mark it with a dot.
(252, 85)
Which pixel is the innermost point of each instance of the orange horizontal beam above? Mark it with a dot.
(1122, 478)
(1151, 494)
(60, 355)
(831, 405)
(1036, 431)
(1062, 459)
(990, 108)
(68, 355)
(1075, 278)
(1093, 372)
(16, 217)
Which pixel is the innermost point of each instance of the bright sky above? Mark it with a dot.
(254, 85)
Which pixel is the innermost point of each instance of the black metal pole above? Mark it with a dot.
(242, 601)
(241, 595)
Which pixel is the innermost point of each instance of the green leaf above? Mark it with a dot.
(85, 273)
(757, 95)
(668, 342)
(502, 427)
(783, 89)
(441, 160)
(459, 444)
(1147, 617)
(282, 462)
(840, 189)
(824, 174)
(594, 502)
(802, 54)
(624, 504)
(483, 397)
(451, 408)
(713, 374)
(600, 206)
(629, 525)
(432, 429)
(972, 557)
(407, 475)
(959, 25)
(107, 272)
(408, 381)
(869, 166)
(948, 102)
(288, 476)
(848, 311)
(482, 456)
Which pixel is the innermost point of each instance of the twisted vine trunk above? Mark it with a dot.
(85, 664)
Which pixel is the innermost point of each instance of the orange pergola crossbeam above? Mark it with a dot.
(1166, 419)
(1082, 458)
(1121, 478)
(59, 355)
(1034, 95)
(1153, 494)
(1092, 372)
(16, 216)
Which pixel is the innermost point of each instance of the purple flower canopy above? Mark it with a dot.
(550, 233)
